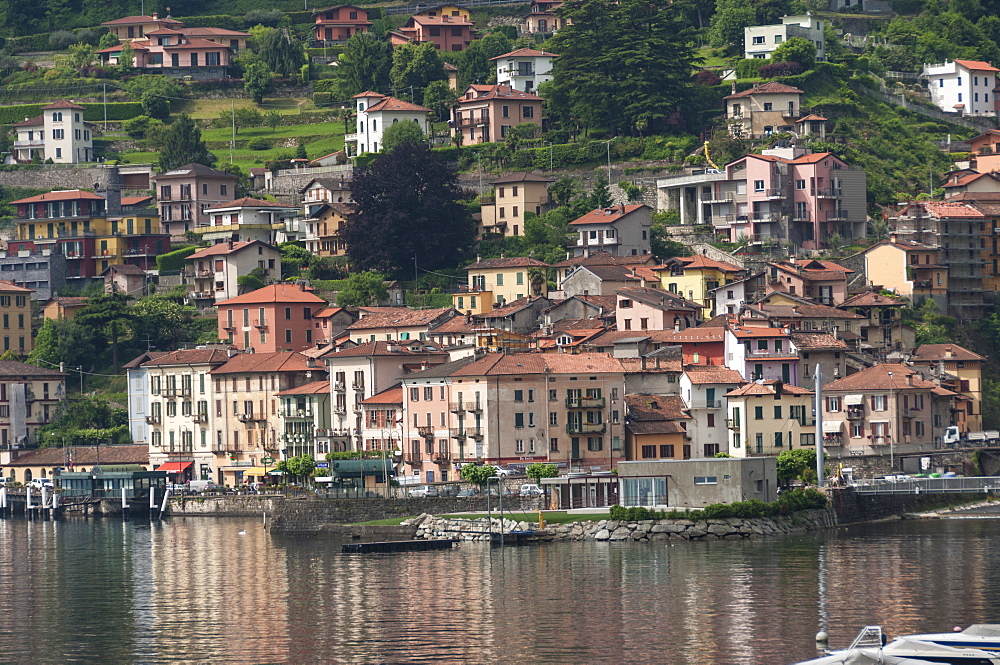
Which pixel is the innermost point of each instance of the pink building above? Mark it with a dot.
(338, 24)
(277, 317)
(487, 112)
(175, 52)
(823, 281)
(447, 33)
(653, 309)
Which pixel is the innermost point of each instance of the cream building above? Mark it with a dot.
(769, 417)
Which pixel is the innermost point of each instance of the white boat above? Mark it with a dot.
(871, 647)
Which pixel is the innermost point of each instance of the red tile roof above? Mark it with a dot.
(813, 158)
(249, 202)
(279, 361)
(805, 340)
(61, 195)
(714, 374)
(872, 299)
(223, 248)
(393, 104)
(189, 357)
(541, 363)
(977, 65)
(8, 286)
(276, 293)
(314, 388)
(878, 378)
(392, 395)
(83, 456)
(498, 92)
(399, 318)
(31, 122)
(141, 19)
(745, 332)
(656, 414)
(769, 88)
(767, 388)
(525, 53)
(946, 352)
(507, 262)
(950, 209)
(62, 104)
(700, 261)
(608, 215)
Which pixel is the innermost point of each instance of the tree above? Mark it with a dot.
(415, 66)
(402, 133)
(182, 144)
(109, 316)
(439, 97)
(257, 81)
(796, 49)
(279, 52)
(300, 150)
(363, 289)
(272, 119)
(407, 207)
(125, 60)
(624, 66)
(63, 341)
(475, 66)
(364, 65)
(345, 114)
(243, 186)
(600, 194)
(158, 322)
(540, 470)
(728, 22)
(478, 475)
(88, 419)
(251, 281)
(108, 40)
(792, 463)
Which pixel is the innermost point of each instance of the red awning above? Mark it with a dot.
(174, 467)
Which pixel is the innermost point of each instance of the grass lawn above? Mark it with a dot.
(204, 109)
(712, 57)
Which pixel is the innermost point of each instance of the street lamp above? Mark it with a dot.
(895, 417)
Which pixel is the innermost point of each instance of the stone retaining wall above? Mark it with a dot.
(440, 528)
(853, 508)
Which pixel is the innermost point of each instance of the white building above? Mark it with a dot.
(247, 219)
(760, 41)
(214, 270)
(375, 113)
(620, 231)
(524, 69)
(703, 390)
(962, 86)
(59, 134)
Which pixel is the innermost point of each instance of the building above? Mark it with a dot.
(822, 281)
(29, 397)
(246, 219)
(764, 109)
(127, 279)
(15, 314)
(910, 269)
(184, 193)
(59, 133)
(970, 181)
(128, 28)
(769, 417)
(486, 113)
(375, 113)
(883, 410)
(619, 230)
(139, 398)
(784, 310)
(43, 272)
(600, 258)
(90, 231)
(524, 69)
(514, 195)
(303, 412)
(758, 354)
(446, 32)
(275, 318)
(215, 270)
(819, 347)
(335, 25)
(960, 370)
(962, 86)
(542, 17)
(656, 427)
(696, 483)
(400, 324)
(985, 151)
(653, 309)
(696, 278)
(24, 465)
(601, 281)
(760, 41)
(329, 322)
(882, 328)
(494, 282)
(178, 52)
(703, 392)
(63, 307)
(323, 228)
(519, 317)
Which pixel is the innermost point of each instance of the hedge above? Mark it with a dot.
(39, 42)
(788, 502)
(323, 98)
(117, 111)
(174, 261)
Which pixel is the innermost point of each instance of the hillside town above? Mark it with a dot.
(447, 286)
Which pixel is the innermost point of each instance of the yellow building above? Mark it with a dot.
(91, 232)
(494, 282)
(15, 315)
(909, 269)
(695, 277)
(768, 418)
(447, 10)
(64, 307)
(514, 195)
(962, 373)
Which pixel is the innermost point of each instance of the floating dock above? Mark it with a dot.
(511, 538)
(397, 546)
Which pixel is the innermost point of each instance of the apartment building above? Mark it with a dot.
(246, 219)
(303, 412)
(514, 195)
(382, 423)
(759, 353)
(653, 309)
(29, 397)
(769, 417)
(277, 317)
(959, 370)
(494, 282)
(696, 277)
(376, 112)
(214, 271)
(15, 317)
(962, 86)
(445, 32)
(486, 113)
(822, 281)
(396, 323)
(760, 41)
(335, 25)
(323, 226)
(139, 398)
(703, 391)
(60, 133)
(524, 69)
(657, 427)
(764, 109)
(620, 230)
(910, 269)
(184, 194)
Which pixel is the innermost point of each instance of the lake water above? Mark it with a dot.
(199, 590)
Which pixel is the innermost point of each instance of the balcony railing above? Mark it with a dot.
(441, 458)
(199, 417)
(829, 192)
(425, 431)
(855, 414)
(586, 428)
(465, 121)
(152, 420)
(708, 404)
(584, 402)
(769, 353)
(733, 424)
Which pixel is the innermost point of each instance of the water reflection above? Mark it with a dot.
(226, 591)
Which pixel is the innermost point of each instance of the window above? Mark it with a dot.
(758, 40)
(528, 112)
(518, 420)
(518, 395)
(768, 106)
(706, 480)
(758, 413)
(758, 185)
(595, 443)
(878, 402)
(648, 452)
(778, 440)
(667, 450)
(800, 184)
(777, 412)
(554, 445)
(553, 419)
(833, 404)
(807, 439)
(414, 394)
(428, 393)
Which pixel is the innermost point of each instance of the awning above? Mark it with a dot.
(854, 399)
(174, 467)
(831, 426)
(255, 470)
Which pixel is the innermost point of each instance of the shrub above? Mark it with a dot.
(323, 98)
(707, 77)
(780, 69)
(747, 69)
(174, 261)
(258, 143)
(61, 40)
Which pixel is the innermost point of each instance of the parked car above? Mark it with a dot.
(6, 482)
(503, 473)
(530, 489)
(39, 483)
(468, 492)
(177, 488)
(204, 486)
(423, 491)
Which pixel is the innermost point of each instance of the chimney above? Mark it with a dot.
(909, 380)
(734, 87)
(778, 387)
(155, 16)
(229, 243)
(302, 286)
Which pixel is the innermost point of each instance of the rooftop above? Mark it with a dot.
(608, 215)
(223, 248)
(506, 262)
(884, 376)
(937, 352)
(769, 88)
(314, 388)
(276, 293)
(399, 318)
(714, 374)
(189, 357)
(279, 361)
(766, 388)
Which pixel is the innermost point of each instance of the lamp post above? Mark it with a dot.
(892, 430)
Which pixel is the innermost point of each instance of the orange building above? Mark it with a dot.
(277, 317)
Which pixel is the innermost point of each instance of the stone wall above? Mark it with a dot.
(60, 178)
(442, 528)
(851, 507)
(226, 506)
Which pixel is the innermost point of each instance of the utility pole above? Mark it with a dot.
(232, 144)
(105, 86)
(819, 426)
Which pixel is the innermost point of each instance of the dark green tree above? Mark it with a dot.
(439, 98)
(257, 81)
(282, 54)
(364, 65)
(474, 64)
(109, 317)
(796, 49)
(86, 420)
(182, 145)
(402, 132)
(242, 187)
(727, 24)
(363, 289)
(415, 66)
(407, 207)
(63, 341)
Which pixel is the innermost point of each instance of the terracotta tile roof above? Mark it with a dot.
(399, 318)
(193, 169)
(143, 357)
(714, 374)
(814, 270)
(746, 332)
(441, 20)
(327, 312)
(646, 273)
(455, 325)
(314, 388)
(605, 259)
(368, 93)
(521, 176)
(506, 262)
(279, 361)
(223, 248)
(950, 209)
(613, 273)
(163, 31)
(71, 301)
(652, 366)
(62, 104)
(525, 53)
(442, 370)
(276, 293)
(806, 340)
(495, 364)
(936, 352)
(977, 65)
(769, 88)
(249, 202)
(656, 414)
(83, 456)
(700, 334)
(872, 299)
(767, 388)
(607, 215)
(877, 378)
(664, 300)
(212, 32)
(31, 122)
(609, 303)
(963, 180)
(700, 261)
(487, 92)
(802, 311)
(393, 104)
(810, 117)
(7, 286)
(189, 357)
(382, 349)
(513, 307)
(392, 395)
(814, 158)
(141, 19)
(61, 195)
(192, 43)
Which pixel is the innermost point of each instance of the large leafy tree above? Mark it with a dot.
(282, 54)
(364, 65)
(407, 207)
(623, 66)
(415, 66)
(728, 22)
(63, 341)
(181, 144)
(402, 132)
(363, 289)
(474, 64)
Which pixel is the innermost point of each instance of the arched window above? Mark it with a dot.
(27, 476)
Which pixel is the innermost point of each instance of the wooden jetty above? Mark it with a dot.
(397, 546)
(510, 538)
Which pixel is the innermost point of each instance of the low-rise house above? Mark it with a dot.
(656, 427)
(784, 310)
(185, 193)
(214, 271)
(882, 327)
(764, 109)
(23, 466)
(128, 28)
(759, 353)
(375, 112)
(883, 410)
(760, 41)
(696, 483)
(323, 228)
(577, 307)
(964, 87)
(520, 316)
(330, 322)
(703, 390)
(486, 113)
(335, 25)
(494, 282)
(769, 417)
(969, 181)
(64, 307)
(820, 348)
(823, 281)
(602, 281)
(600, 258)
(960, 370)
(59, 133)
(446, 32)
(985, 151)
(246, 219)
(29, 396)
(524, 69)
(396, 323)
(653, 309)
(514, 195)
(128, 279)
(910, 269)
(730, 298)
(275, 318)
(178, 53)
(700, 346)
(696, 277)
(618, 230)
(542, 17)
(382, 423)
(304, 411)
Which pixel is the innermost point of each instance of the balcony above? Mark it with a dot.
(855, 413)
(707, 404)
(474, 433)
(458, 432)
(339, 387)
(199, 418)
(298, 413)
(260, 323)
(411, 458)
(426, 432)
(340, 409)
(441, 458)
(586, 428)
(733, 424)
(758, 354)
(829, 193)
(775, 194)
(464, 121)
(584, 402)
(152, 420)
(358, 386)
(34, 143)
(881, 440)
(457, 407)
(474, 407)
